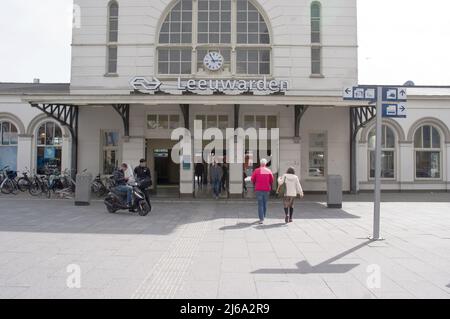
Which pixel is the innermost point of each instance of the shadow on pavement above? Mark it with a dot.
(325, 267)
(59, 216)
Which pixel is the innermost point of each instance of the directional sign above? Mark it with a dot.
(360, 93)
(141, 83)
(394, 95)
(395, 110)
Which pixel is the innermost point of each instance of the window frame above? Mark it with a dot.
(169, 121)
(104, 148)
(429, 150)
(383, 149)
(316, 149)
(233, 46)
(44, 146)
(316, 45)
(112, 44)
(11, 124)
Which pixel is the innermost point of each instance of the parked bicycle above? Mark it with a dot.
(98, 187)
(8, 181)
(61, 185)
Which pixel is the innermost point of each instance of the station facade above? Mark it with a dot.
(143, 68)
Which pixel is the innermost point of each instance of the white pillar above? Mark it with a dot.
(236, 179)
(133, 150)
(66, 160)
(362, 162)
(24, 154)
(187, 173)
(406, 164)
(446, 165)
(290, 155)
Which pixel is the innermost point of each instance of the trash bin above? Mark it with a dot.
(83, 189)
(334, 191)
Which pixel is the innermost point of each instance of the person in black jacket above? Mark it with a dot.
(143, 177)
(143, 174)
(121, 184)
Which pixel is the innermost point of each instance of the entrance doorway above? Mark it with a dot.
(202, 173)
(165, 172)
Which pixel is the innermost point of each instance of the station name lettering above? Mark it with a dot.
(233, 85)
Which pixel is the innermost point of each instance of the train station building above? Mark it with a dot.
(143, 68)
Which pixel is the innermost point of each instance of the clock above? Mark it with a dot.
(213, 61)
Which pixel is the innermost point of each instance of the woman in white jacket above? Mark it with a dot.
(291, 189)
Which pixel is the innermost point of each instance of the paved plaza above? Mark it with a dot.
(214, 249)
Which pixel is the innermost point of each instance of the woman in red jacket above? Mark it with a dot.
(262, 178)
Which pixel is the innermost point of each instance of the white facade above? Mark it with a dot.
(315, 81)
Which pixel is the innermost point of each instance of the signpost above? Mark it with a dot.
(390, 103)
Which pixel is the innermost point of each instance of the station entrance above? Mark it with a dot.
(165, 172)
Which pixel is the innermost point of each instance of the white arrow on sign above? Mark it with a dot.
(348, 93)
(402, 110)
(139, 83)
(402, 94)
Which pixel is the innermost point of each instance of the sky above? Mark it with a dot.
(399, 40)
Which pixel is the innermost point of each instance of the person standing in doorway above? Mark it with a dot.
(199, 173)
(289, 187)
(224, 181)
(262, 178)
(216, 178)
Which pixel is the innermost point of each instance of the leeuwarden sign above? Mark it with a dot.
(140, 83)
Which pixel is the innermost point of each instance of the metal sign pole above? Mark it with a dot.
(377, 201)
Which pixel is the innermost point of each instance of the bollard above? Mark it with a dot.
(83, 189)
(334, 191)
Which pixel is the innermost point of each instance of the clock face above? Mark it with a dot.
(213, 61)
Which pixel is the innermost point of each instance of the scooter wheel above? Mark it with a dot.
(143, 208)
(110, 210)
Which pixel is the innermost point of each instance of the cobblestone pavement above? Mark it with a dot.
(209, 249)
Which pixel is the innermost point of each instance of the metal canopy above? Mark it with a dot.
(67, 115)
(124, 112)
(300, 110)
(215, 99)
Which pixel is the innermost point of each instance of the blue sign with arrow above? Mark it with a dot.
(395, 110)
(394, 95)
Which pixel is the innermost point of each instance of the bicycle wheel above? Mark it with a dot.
(8, 187)
(35, 189)
(23, 184)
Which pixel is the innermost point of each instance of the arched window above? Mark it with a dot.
(8, 145)
(238, 33)
(113, 36)
(427, 147)
(316, 38)
(387, 152)
(49, 141)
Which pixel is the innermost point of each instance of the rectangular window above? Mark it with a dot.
(317, 154)
(110, 145)
(163, 121)
(428, 164)
(260, 121)
(253, 61)
(316, 60)
(112, 59)
(174, 61)
(387, 164)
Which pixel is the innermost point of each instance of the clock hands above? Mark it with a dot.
(212, 58)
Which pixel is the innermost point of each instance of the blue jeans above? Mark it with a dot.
(126, 189)
(216, 187)
(262, 198)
